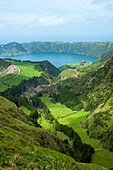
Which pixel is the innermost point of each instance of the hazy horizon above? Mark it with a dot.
(63, 41)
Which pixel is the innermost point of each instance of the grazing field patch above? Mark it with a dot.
(57, 110)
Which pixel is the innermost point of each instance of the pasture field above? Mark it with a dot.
(6, 77)
(74, 65)
(58, 110)
(27, 72)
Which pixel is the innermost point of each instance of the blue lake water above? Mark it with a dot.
(57, 59)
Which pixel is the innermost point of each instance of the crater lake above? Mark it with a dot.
(57, 59)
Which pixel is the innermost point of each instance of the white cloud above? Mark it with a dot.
(54, 15)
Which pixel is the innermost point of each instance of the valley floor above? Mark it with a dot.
(63, 114)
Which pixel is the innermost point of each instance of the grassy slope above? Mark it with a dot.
(19, 144)
(27, 71)
(73, 121)
(68, 73)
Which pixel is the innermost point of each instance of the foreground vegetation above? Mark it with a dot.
(21, 144)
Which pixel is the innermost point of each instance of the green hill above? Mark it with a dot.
(47, 68)
(100, 93)
(28, 71)
(12, 48)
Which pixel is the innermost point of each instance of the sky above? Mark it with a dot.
(56, 20)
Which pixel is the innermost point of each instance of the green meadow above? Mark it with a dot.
(57, 110)
(74, 65)
(101, 156)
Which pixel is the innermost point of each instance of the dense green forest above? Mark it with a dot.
(93, 49)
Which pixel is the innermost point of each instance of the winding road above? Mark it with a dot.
(12, 77)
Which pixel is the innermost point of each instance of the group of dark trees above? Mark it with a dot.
(83, 151)
(4, 64)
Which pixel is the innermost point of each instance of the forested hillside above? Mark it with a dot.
(93, 49)
(3, 65)
(105, 56)
(100, 94)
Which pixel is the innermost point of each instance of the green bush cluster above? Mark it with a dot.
(4, 160)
